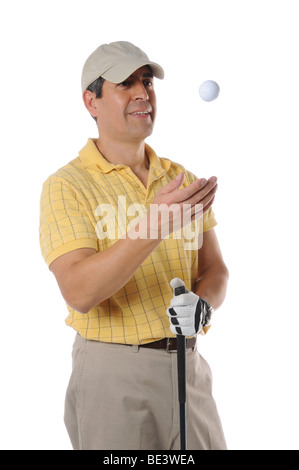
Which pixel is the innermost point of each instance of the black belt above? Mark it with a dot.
(169, 344)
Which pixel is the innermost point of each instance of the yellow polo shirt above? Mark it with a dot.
(88, 204)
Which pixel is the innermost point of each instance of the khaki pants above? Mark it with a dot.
(126, 397)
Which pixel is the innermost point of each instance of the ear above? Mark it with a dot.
(89, 99)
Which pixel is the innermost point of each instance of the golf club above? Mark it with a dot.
(181, 361)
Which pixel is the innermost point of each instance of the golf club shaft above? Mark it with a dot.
(181, 360)
(181, 352)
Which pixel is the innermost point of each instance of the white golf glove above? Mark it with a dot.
(188, 313)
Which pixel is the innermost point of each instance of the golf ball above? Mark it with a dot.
(209, 90)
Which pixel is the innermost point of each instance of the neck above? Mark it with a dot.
(130, 154)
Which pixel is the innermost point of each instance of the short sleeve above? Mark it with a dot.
(64, 224)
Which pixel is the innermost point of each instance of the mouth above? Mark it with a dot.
(141, 114)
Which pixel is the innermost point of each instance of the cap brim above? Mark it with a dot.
(117, 73)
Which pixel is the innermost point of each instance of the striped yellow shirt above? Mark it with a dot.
(91, 203)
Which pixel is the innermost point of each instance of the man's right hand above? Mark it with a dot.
(193, 201)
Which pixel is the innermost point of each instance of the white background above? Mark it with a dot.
(248, 137)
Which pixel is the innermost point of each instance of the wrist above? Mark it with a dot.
(207, 310)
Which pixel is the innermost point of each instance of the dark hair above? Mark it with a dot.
(96, 87)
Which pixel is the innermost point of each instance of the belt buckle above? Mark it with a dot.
(167, 344)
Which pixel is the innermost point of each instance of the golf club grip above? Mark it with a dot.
(179, 290)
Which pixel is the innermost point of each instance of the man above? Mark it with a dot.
(114, 272)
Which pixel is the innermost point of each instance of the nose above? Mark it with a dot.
(140, 92)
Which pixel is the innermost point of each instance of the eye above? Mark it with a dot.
(148, 82)
(126, 83)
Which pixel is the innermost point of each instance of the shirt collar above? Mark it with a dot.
(91, 158)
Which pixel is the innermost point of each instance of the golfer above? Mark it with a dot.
(117, 225)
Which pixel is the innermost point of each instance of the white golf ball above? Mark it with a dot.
(209, 90)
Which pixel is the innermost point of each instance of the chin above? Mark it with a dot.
(148, 131)
(138, 136)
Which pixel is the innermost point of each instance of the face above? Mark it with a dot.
(127, 110)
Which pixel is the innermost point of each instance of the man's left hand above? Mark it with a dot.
(188, 313)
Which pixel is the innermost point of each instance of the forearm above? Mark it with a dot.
(212, 285)
(99, 276)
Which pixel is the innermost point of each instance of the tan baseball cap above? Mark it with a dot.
(115, 62)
